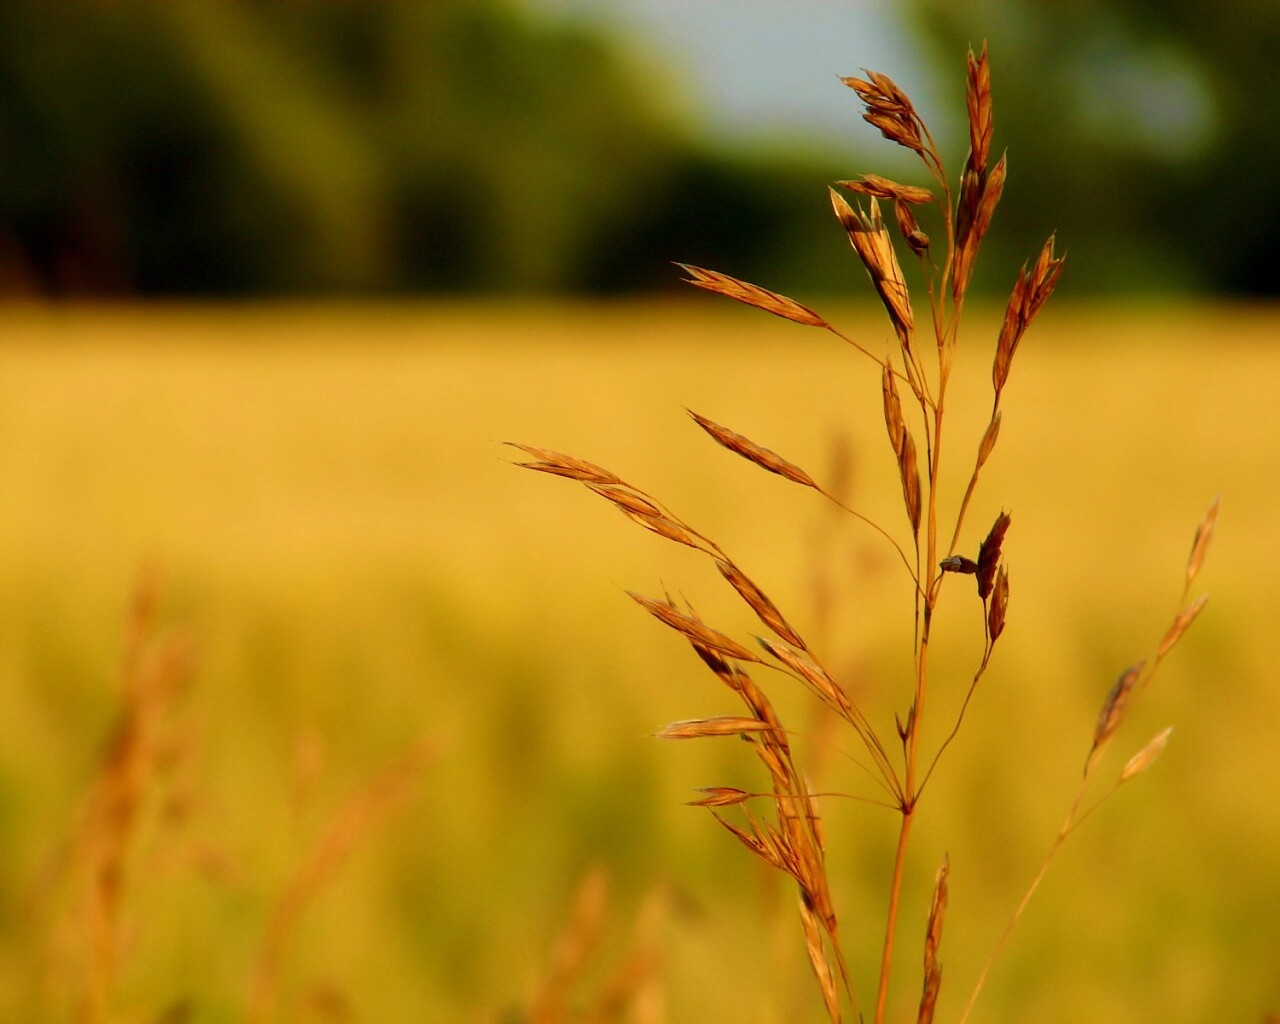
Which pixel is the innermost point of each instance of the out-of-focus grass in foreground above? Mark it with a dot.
(325, 498)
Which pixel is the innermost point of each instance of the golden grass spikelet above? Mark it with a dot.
(559, 464)
(1031, 291)
(700, 728)
(888, 109)
(1145, 757)
(916, 239)
(989, 437)
(870, 240)
(720, 796)
(980, 193)
(910, 473)
(999, 605)
(664, 526)
(752, 295)
(822, 969)
(752, 452)
(1180, 625)
(813, 674)
(766, 611)
(627, 499)
(883, 188)
(989, 554)
(1112, 712)
(694, 628)
(932, 940)
(893, 421)
(1200, 545)
(978, 105)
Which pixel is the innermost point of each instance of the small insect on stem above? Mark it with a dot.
(960, 564)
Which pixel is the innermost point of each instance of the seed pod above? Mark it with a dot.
(989, 554)
(999, 605)
(1145, 757)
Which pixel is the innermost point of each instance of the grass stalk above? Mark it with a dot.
(791, 841)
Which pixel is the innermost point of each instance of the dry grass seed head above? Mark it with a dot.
(752, 452)
(870, 240)
(752, 295)
(999, 605)
(701, 728)
(559, 464)
(693, 628)
(932, 941)
(1113, 708)
(766, 611)
(875, 186)
(1200, 545)
(989, 554)
(1180, 625)
(819, 962)
(1145, 757)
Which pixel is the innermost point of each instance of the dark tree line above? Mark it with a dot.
(224, 147)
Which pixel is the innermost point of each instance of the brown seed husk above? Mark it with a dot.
(870, 240)
(989, 554)
(893, 421)
(989, 439)
(822, 969)
(978, 103)
(1145, 757)
(1113, 708)
(813, 674)
(910, 473)
(1180, 625)
(752, 295)
(752, 452)
(560, 464)
(700, 728)
(766, 611)
(693, 628)
(1200, 545)
(720, 796)
(999, 605)
(883, 188)
(664, 526)
(932, 940)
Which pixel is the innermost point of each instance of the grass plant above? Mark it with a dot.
(938, 557)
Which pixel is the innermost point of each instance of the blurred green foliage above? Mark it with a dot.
(207, 148)
(218, 149)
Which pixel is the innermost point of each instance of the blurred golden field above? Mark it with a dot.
(322, 495)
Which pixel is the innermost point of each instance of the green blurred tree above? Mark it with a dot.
(1148, 132)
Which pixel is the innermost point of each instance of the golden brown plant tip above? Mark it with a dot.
(1113, 708)
(1031, 291)
(1180, 625)
(766, 611)
(888, 109)
(932, 940)
(883, 188)
(978, 104)
(752, 452)
(1145, 757)
(693, 628)
(752, 295)
(700, 728)
(870, 240)
(999, 604)
(720, 796)
(1200, 545)
(989, 554)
